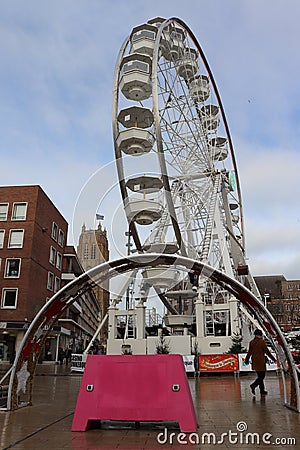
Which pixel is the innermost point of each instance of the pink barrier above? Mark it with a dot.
(134, 388)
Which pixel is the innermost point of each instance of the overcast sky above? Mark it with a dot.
(57, 67)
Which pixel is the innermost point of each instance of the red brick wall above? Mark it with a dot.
(35, 265)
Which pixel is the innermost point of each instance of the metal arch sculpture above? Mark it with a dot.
(23, 369)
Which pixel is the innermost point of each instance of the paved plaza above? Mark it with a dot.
(224, 405)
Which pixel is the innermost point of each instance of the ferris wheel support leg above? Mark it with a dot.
(234, 313)
(199, 309)
(96, 334)
(140, 321)
(111, 321)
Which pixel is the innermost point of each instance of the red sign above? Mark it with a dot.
(218, 363)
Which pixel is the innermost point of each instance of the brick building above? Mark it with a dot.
(282, 298)
(33, 236)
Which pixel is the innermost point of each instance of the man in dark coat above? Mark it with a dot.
(257, 351)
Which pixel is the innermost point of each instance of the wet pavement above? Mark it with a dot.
(228, 417)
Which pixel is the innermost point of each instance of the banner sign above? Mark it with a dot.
(248, 367)
(78, 362)
(218, 363)
(207, 363)
(188, 361)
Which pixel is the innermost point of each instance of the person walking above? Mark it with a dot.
(68, 353)
(61, 355)
(257, 351)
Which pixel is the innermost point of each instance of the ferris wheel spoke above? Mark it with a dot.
(185, 118)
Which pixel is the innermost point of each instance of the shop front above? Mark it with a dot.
(59, 337)
(11, 335)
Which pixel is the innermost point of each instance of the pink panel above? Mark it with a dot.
(134, 388)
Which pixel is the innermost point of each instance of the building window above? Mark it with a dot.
(16, 239)
(59, 260)
(217, 323)
(19, 211)
(93, 256)
(54, 231)
(3, 211)
(57, 284)
(86, 252)
(2, 233)
(9, 298)
(50, 282)
(61, 238)
(12, 268)
(52, 255)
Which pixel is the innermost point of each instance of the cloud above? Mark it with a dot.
(269, 181)
(60, 175)
(56, 90)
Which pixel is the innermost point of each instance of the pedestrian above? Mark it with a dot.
(68, 353)
(61, 355)
(257, 351)
(100, 350)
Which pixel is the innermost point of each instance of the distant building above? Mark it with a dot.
(33, 252)
(82, 318)
(282, 298)
(93, 250)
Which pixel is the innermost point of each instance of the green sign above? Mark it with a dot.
(232, 180)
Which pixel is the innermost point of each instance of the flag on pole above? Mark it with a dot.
(99, 217)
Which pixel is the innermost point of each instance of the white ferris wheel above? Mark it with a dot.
(183, 195)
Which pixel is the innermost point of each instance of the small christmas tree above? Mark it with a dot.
(236, 346)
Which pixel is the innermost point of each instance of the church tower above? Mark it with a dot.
(93, 250)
